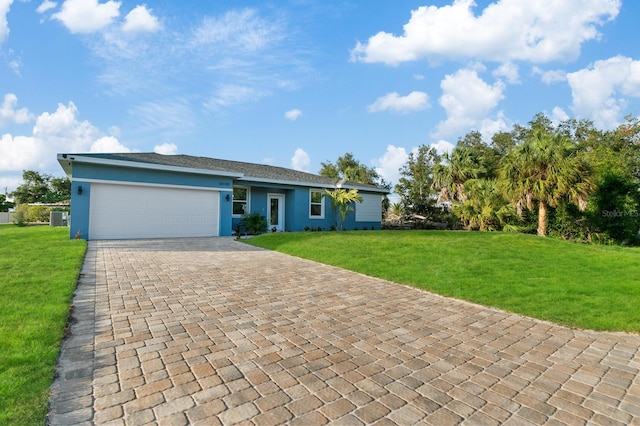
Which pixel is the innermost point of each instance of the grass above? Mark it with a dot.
(578, 285)
(39, 269)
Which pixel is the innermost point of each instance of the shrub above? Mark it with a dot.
(254, 222)
(26, 213)
(20, 217)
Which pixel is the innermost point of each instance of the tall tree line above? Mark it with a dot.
(568, 179)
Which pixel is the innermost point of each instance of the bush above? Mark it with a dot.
(20, 217)
(26, 213)
(254, 222)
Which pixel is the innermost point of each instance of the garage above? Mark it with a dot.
(122, 211)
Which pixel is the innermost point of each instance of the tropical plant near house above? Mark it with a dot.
(543, 171)
(485, 208)
(342, 201)
(254, 222)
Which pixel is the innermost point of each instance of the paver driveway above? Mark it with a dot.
(211, 330)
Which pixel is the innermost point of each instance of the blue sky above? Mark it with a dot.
(294, 83)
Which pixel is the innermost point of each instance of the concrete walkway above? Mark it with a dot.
(212, 331)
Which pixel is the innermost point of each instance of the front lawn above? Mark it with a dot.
(39, 269)
(578, 285)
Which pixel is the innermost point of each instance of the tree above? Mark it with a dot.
(42, 188)
(457, 168)
(485, 208)
(348, 168)
(4, 204)
(615, 204)
(616, 207)
(415, 186)
(342, 201)
(545, 170)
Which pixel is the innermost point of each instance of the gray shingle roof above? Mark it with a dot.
(249, 170)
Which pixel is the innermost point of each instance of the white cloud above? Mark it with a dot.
(388, 166)
(293, 114)
(108, 144)
(558, 115)
(166, 149)
(414, 101)
(53, 133)
(45, 6)
(14, 65)
(233, 94)
(87, 16)
(443, 146)
(242, 29)
(237, 57)
(140, 20)
(300, 160)
(509, 71)
(5, 5)
(19, 153)
(9, 114)
(166, 118)
(467, 100)
(549, 77)
(600, 91)
(10, 183)
(506, 30)
(489, 127)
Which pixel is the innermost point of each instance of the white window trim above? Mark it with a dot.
(322, 203)
(248, 209)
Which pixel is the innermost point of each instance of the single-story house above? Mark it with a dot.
(148, 195)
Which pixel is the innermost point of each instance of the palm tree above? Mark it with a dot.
(544, 170)
(396, 210)
(460, 166)
(342, 201)
(485, 208)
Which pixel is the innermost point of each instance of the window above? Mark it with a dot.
(240, 200)
(316, 207)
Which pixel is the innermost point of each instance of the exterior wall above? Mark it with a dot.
(86, 174)
(297, 198)
(368, 214)
(79, 223)
(297, 216)
(258, 200)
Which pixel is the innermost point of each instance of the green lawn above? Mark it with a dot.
(584, 286)
(39, 267)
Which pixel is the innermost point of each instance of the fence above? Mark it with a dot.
(6, 217)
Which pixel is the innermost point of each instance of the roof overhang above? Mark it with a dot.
(327, 185)
(66, 161)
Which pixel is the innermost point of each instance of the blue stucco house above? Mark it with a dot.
(148, 195)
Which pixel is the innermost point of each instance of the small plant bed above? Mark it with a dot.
(40, 267)
(578, 285)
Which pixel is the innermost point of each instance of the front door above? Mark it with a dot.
(276, 212)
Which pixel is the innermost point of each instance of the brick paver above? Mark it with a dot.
(213, 331)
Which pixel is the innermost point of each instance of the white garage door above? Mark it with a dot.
(129, 211)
